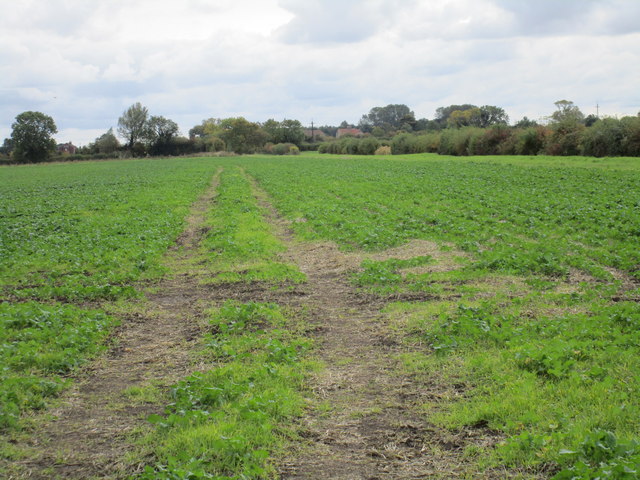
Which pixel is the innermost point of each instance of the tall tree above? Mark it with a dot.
(391, 117)
(241, 135)
(132, 125)
(492, 115)
(286, 131)
(107, 143)
(32, 137)
(443, 113)
(566, 111)
(161, 131)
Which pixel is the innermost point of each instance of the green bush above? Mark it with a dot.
(530, 141)
(603, 139)
(368, 146)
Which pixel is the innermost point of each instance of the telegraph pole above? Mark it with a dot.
(312, 132)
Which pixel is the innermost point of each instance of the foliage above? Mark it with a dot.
(132, 125)
(31, 137)
(161, 133)
(87, 231)
(286, 131)
(389, 118)
(283, 149)
(241, 136)
(107, 143)
(226, 422)
(39, 345)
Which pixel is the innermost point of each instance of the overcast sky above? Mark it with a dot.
(83, 62)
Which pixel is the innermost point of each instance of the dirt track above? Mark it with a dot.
(364, 423)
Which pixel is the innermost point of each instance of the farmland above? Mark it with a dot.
(491, 304)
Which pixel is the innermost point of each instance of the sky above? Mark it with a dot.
(85, 62)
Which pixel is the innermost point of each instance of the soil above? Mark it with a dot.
(364, 420)
(365, 423)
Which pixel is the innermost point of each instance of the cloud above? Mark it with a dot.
(84, 63)
(336, 21)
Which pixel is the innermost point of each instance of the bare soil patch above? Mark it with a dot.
(364, 424)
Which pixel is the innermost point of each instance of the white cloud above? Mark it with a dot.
(84, 63)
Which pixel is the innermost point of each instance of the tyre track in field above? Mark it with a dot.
(365, 424)
(93, 427)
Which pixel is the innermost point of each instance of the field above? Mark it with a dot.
(321, 317)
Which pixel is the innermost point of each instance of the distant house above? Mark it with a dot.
(67, 149)
(354, 132)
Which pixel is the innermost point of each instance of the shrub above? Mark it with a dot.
(603, 138)
(454, 141)
(368, 146)
(284, 149)
(631, 139)
(383, 150)
(401, 144)
(565, 138)
(530, 141)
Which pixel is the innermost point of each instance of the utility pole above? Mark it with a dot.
(312, 132)
(598, 110)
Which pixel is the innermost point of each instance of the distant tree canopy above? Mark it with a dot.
(132, 125)
(156, 134)
(241, 135)
(31, 137)
(566, 111)
(389, 118)
(482, 117)
(160, 133)
(286, 131)
(106, 143)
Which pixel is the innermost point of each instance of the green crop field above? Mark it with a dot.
(525, 311)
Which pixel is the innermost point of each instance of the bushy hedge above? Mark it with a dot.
(351, 146)
(609, 137)
(281, 149)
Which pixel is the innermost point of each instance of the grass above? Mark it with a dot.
(40, 345)
(233, 419)
(538, 320)
(240, 242)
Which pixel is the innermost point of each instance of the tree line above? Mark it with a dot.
(471, 130)
(464, 129)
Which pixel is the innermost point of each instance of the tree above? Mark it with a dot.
(107, 143)
(160, 133)
(525, 122)
(7, 146)
(242, 136)
(287, 131)
(443, 113)
(132, 125)
(567, 124)
(492, 115)
(32, 137)
(566, 111)
(465, 118)
(391, 117)
(590, 120)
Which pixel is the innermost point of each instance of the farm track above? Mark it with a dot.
(90, 435)
(366, 423)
